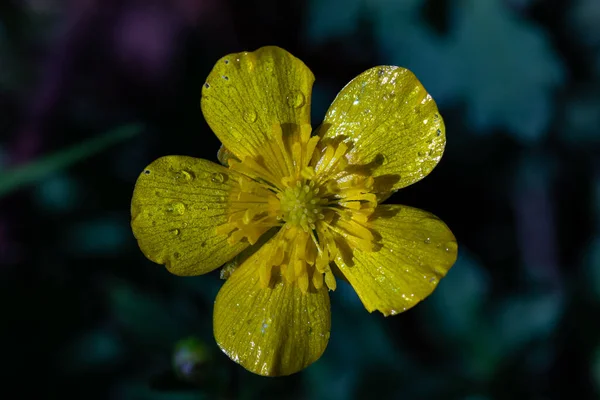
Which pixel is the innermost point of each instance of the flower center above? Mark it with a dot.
(305, 186)
(301, 205)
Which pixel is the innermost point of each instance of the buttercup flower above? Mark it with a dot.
(301, 206)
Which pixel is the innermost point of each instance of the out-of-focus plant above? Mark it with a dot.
(501, 67)
(12, 179)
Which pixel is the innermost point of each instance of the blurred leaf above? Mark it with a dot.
(146, 319)
(101, 236)
(332, 19)
(94, 349)
(583, 18)
(581, 113)
(507, 67)
(58, 193)
(501, 66)
(522, 319)
(592, 268)
(480, 333)
(359, 342)
(455, 307)
(40, 169)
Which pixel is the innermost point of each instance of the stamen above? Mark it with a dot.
(306, 187)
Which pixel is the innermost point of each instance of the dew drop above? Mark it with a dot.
(176, 208)
(432, 280)
(175, 232)
(249, 116)
(295, 99)
(206, 85)
(184, 175)
(217, 177)
(427, 241)
(226, 61)
(439, 132)
(450, 247)
(147, 172)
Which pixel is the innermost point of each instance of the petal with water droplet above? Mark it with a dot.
(177, 203)
(270, 331)
(265, 87)
(401, 137)
(409, 264)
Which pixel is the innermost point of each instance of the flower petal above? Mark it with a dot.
(247, 93)
(177, 203)
(392, 125)
(417, 250)
(277, 330)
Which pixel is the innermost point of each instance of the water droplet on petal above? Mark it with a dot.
(206, 85)
(249, 116)
(217, 177)
(184, 175)
(176, 208)
(427, 241)
(175, 232)
(439, 132)
(295, 99)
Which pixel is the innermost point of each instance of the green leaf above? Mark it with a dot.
(39, 169)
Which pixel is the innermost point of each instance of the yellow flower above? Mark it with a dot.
(307, 203)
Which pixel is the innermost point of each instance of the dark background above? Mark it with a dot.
(85, 314)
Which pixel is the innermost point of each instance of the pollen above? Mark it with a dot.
(301, 206)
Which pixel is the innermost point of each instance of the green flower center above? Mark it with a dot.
(301, 205)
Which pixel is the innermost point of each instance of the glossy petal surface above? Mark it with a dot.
(277, 330)
(417, 250)
(392, 124)
(177, 203)
(247, 93)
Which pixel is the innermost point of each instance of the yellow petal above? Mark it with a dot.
(177, 203)
(247, 93)
(270, 331)
(417, 250)
(392, 125)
